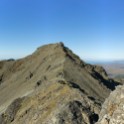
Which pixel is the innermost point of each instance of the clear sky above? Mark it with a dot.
(93, 29)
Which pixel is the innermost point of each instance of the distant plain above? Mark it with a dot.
(114, 69)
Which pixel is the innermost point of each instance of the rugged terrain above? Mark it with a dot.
(52, 86)
(113, 109)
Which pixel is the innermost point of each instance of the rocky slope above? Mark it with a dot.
(113, 109)
(52, 86)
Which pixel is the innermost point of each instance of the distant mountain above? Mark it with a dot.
(115, 69)
(52, 86)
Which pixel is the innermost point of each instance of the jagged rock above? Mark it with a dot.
(11, 111)
(113, 109)
(76, 113)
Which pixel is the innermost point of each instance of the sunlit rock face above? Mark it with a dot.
(113, 109)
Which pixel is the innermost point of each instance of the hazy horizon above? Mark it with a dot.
(91, 29)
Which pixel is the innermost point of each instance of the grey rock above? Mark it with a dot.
(113, 109)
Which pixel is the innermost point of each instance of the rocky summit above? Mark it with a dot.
(54, 86)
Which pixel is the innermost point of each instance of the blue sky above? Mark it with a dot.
(93, 29)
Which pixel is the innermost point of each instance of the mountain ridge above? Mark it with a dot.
(52, 69)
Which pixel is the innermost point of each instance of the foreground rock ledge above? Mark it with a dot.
(113, 109)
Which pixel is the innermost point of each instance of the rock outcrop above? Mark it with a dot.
(52, 86)
(113, 109)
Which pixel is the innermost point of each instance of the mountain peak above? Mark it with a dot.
(53, 75)
(54, 45)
